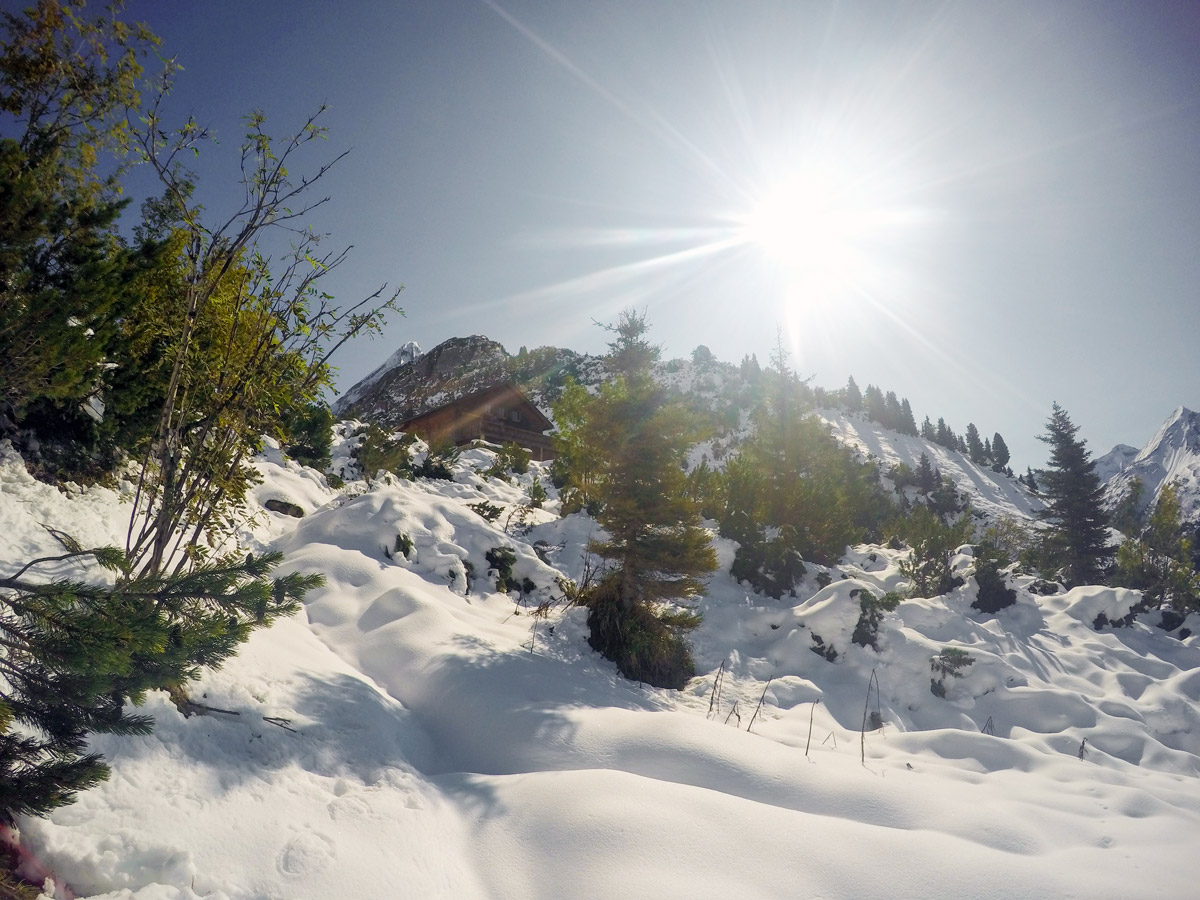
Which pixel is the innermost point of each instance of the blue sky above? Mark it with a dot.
(999, 203)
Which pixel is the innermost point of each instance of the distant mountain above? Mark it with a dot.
(1172, 455)
(1115, 460)
(411, 383)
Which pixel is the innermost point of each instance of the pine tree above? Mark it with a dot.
(77, 652)
(944, 435)
(974, 445)
(875, 405)
(854, 398)
(908, 424)
(656, 550)
(928, 432)
(1078, 540)
(1159, 561)
(927, 479)
(893, 413)
(65, 82)
(1000, 455)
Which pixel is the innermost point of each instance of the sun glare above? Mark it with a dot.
(813, 228)
(813, 215)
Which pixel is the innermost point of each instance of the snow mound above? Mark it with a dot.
(415, 732)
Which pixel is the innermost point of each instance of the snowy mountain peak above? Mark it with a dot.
(1115, 460)
(1180, 430)
(1172, 455)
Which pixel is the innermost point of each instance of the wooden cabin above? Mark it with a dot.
(499, 414)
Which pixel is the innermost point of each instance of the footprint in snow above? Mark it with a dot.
(306, 854)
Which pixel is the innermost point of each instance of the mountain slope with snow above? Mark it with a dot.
(992, 494)
(1172, 455)
(413, 732)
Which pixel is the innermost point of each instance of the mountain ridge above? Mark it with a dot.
(1172, 455)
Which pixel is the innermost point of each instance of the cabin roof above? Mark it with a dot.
(538, 421)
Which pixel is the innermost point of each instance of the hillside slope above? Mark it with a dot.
(412, 384)
(992, 494)
(443, 742)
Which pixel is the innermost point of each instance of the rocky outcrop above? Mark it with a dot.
(410, 385)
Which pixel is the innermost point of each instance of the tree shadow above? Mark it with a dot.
(336, 726)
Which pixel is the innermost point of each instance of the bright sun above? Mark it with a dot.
(813, 227)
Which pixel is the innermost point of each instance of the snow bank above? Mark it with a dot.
(414, 732)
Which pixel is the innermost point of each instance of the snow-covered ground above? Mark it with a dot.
(993, 495)
(403, 737)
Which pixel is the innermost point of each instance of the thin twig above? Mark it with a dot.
(811, 713)
(715, 699)
(866, 705)
(281, 722)
(760, 702)
(734, 712)
(193, 705)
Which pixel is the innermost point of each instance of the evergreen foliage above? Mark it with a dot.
(926, 477)
(949, 663)
(189, 348)
(308, 434)
(894, 412)
(438, 462)
(578, 464)
(501, 560)
(537, 494)
(945, 436)
(66, 81)
(1000, 454)
(945, 500)
(932, 543)
(907, 423)
(629, 445)
(706, 488)
(974, 445)
(1128, 517)
(1159, 561)
(871, 610)
(875, 404)
(853, 396)
(77, 652)
(772, 567)
(993, 594)
(1077, 543)
(792, 475)
(511, 457)
(381, 451)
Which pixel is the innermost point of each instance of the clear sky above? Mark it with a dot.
(985, 207)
